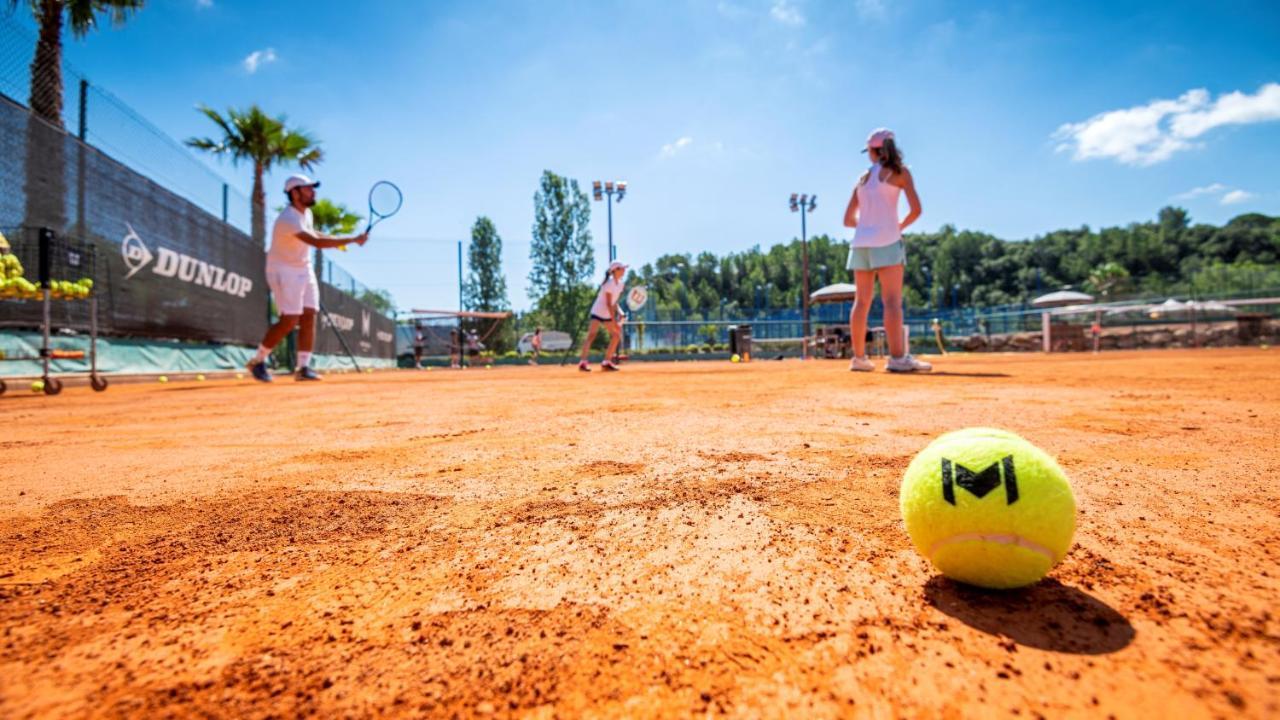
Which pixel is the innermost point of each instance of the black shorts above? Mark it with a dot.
(600, 319)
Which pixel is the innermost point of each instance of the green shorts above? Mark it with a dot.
(876, 257)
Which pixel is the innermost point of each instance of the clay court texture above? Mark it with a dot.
(677, 539)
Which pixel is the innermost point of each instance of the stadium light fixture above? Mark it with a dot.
(611, 189)
(804, 204)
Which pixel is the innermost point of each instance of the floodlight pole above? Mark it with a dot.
(805, 205)
(610, 188)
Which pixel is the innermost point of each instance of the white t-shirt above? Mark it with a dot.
(286, 249)
(603, 307)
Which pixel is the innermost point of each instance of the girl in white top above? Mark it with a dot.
(877, 251)
(604, 312)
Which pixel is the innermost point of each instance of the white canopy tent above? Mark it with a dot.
(838, 292)
(1062, 298)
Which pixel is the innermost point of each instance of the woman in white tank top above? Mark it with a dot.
(877, 251)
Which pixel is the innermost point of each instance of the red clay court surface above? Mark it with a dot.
(672, 540)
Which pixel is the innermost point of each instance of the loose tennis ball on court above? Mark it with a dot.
(239, 376)
(200, 377)
(988, 508)
(735, 358)
(163, 378)
(37, 386)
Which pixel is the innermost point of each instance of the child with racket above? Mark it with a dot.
(292, 279)
(605, 312)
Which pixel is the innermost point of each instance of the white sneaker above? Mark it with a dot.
(861, 364)
(907, 364)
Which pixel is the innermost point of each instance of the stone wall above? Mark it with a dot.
(1219, 334)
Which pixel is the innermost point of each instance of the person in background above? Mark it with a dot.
(877, 252)
(536, 343)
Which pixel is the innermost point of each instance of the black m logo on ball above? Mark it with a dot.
(979, 483)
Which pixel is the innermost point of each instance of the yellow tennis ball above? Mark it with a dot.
(239, 376)
(37, 386)
(200, 377)
(988, 508)
(163, 378)
(735, 358)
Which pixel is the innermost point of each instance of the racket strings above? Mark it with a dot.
(384, 199)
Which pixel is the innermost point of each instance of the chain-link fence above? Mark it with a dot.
(99, 118)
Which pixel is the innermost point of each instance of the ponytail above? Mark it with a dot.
(889, 155)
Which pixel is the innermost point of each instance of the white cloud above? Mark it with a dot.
(1152, 133)
(1226, 195)
(258, 58)
(1214, 189)
(670, 149)
(786, 13)
(204, 3)
(1235, 197)
(870, 9)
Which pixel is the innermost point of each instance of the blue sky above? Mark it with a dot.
(1016, 118)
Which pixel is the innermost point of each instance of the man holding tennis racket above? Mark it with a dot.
(292, 279)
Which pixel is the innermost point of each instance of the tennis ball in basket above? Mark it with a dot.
(37, 386)
(988, 508)
(735, 358)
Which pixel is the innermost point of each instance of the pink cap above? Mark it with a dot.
(877, 137)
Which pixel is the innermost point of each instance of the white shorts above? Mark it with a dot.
(294, 289)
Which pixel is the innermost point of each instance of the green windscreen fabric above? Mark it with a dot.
(131, 356)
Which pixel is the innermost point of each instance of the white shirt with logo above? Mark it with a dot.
(603, 307)
(287, 251)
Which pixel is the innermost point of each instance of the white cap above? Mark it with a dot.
(615, 265)
(297, 181)
(877, 137)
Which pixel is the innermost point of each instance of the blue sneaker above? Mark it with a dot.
(259, 371)
(307, 373)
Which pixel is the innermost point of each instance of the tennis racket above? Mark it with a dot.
(637, 297)
(384, 201)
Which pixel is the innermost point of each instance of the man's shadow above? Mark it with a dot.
(1047, 615)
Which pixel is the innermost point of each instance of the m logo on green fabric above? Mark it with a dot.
(980, 483)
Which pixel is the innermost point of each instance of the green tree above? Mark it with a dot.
(561, 253)
(1107, 277)
(333, 218)
(252, 135)
(379, 300)
(486, 286)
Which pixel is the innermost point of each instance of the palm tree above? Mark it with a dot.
(334, 218)
(44, 167)
(1107, 277)
(257, 137)
(46, 66)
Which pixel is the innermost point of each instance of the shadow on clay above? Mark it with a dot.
(1047, 615)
